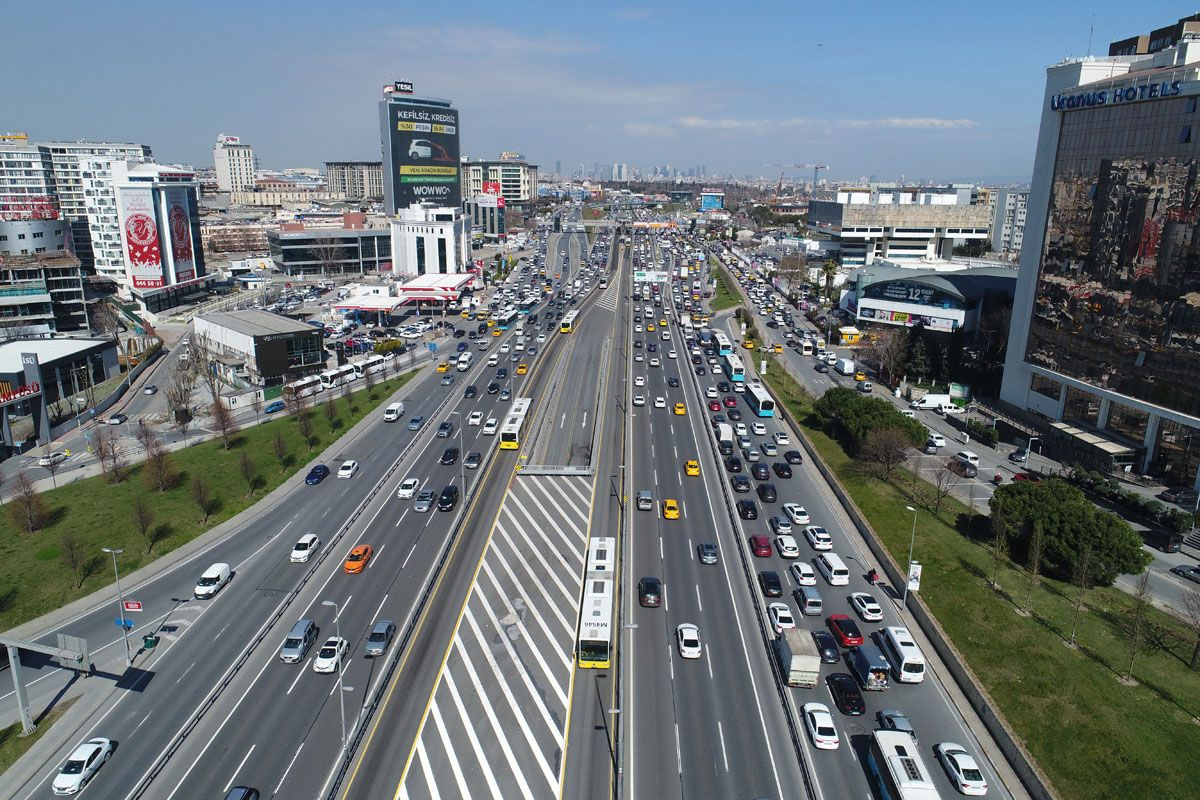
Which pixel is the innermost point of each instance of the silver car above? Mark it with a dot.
(425, 501)
(380, 637)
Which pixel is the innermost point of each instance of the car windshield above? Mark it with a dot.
(824, 730)
(970, 774)
(207, 581)
(72, 767)
(328, 652)
(377, 636)
(356, 556)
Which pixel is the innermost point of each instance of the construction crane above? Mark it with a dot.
(816, 168)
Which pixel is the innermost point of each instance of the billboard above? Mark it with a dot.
(16, 207)
(139, 233)
(712, 201)
(491, 187)
(424, 154)
(179, 224)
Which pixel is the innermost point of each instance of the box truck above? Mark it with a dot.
(845, 366)
(798, 657)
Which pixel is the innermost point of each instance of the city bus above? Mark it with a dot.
(724, 346)
(506, 319)
(338, 376)
(568, 324)
(806, 347)
(305, 387)
(527, 307)
(371, 364)
(759, 401)
(735, 370)
(514, 421)
(894, 762)
(602, 556)
(593, 642)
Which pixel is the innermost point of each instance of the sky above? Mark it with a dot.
(935, 90)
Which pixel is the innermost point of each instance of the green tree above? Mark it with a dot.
(918, 357)
(829, 271)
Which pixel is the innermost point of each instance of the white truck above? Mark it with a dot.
(931, 402)
(798, 657)
(845, 366)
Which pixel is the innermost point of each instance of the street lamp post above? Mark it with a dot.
(337, 630)
(911, 541)
(462, 454)
(116, 551)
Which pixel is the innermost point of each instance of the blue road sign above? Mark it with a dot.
(432, 347)
(123, 623)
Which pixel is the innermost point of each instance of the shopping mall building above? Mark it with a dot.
(1104, 345)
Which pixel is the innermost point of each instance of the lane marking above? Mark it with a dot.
(233, 774)
(283, 777)
(299, 675)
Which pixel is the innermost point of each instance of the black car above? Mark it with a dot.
(701, 371)
(735, 415)
(781, 469)
(846, 695)
(317, 474)
(768, 581)
(724, 388)
(493, 387)
(637, 343)
(652, 347)
(793, 457)
(449, 456)
(448, 498)
(697, 360)
(470, 392)
(741, 483)
(747, 509)
(716, 418)
(673, 382)
(459, 333)
(821, 367)
(827, 646)
(733, 464)
(650, 592)
(760, 471)
(767, 493)
(502, 373)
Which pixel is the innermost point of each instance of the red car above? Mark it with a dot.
(761, 546)
(845, 629)
(730, 401)
(713, 405)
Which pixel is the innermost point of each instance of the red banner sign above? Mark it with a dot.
(18, 207)
(21, 392)
(133, 605)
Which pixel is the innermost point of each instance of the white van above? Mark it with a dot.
(908, 665)
(465, 360)
(393, 412)
(493, 360)
(834, 570)
(212, 580)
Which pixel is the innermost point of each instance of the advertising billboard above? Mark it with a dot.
(179, 224)
(491, 187)
(139, 234)
(424, 154)
(712, 201)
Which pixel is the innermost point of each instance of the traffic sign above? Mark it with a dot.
(123, 623)
(133, 605)
(432, 347)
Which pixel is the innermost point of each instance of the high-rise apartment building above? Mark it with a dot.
(233, 163)
(514, 178)
(1008, 219)
(357, 180)
(1104, 343)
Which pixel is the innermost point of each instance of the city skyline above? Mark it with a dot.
(640, 85)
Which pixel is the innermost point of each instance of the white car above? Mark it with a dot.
(638, 357)
(541, 338)
(786, 545)
(741, 430)
(654, 362)
(639, 380)
(687, 636)
(819, 724)
(803, 574)
(711, 393)
(781, 617)
(865, 606)
(781, 438)
(52, 459)
(305, 547)
(759, 429)
(796, 513)
(961, 767)
(504, 348)
(818, 537)
(347, 469)
(491, 426)
(330, 655)
(937, 440)
(81, 765)
(475, 418)
(672, 354)
(660, 402)
(408, 488)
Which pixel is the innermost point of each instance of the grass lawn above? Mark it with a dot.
(34, 576)
(13, 745)
(1094, 736)
(723, 297)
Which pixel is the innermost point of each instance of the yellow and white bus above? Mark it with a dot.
(514, 422)
(568, 324)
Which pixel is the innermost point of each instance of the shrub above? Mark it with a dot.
(986, 434)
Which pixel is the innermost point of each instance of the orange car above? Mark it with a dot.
(358, 558)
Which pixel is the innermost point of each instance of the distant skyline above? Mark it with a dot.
(953, 92)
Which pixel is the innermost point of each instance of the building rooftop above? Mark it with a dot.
(962, 283)
(56, 258)
(255, 323)
(46, 349)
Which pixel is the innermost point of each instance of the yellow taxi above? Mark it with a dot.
(670, 509)
(748, 344)
(465, 314)
(444, 366)
(491, 323)
(778, 348)
(860, 376)
(680, 409)
(691, 468)
(649, 327)
(496, 331)
(662, 323)
(522, 368)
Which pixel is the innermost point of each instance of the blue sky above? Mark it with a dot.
(946, 90)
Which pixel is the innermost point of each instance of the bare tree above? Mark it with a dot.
(1190, 609)
(944, 482)
(890, 351)
(201, 362)
(281, 449)
(256, 402)
(1081, 576)
(1033, 564)
(348, 395)
(180, 384)
(249, 472)
(75, 558)
(143, 520)
(108, 449)
(1001, 533)
(53, 465)
(159, 473)
(330, 411)
(223, 421)
(294, 403)
(328, 252)
(202, 496)
(369, 382)
(1137, 624)
(26, 507)
(882, 452)
(105, 319)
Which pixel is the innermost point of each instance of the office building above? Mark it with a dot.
(355, 180)
(486, 214)
(512, 178)
(429, 240)
(1008, 220)
(41, 293)
(258, 348)
(235, 236)
(898, 224)
(352, 248)
(1103, 339)
(234, 164)
(419, 137)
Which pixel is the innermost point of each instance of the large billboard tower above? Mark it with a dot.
(419, 136)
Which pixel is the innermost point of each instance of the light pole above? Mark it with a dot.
(462, 454)
(116, 551)
(911, 541)
(337, 631)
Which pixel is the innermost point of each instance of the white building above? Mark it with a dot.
(514, 179)
(1008, 220)
(234, 164)
(427, 241)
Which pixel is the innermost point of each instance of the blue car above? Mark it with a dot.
(274, 407)
(317, 474)
(462, 346)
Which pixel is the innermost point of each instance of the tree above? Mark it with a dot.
(223, 421)
(1137, 626)
(143, 520)
(281, 449)
(329, 253)
(159, 472)
(1033, 562)
(1081, 576)
(829, 271)
(882, 451)
(106, 320)
(304, 425)
(202, 496)
(26, 508)
(202, 359)
(1190, 609)
(918, 359)
(52, 467)
(180, 383)
(76, 559)
(1000, 535)
(890, 351)
(256, 402)
(249, 472)
(369, 382)
(944, 482)
(330, 411)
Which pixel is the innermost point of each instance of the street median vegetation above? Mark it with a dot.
(50, 541)
(1098, 684)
